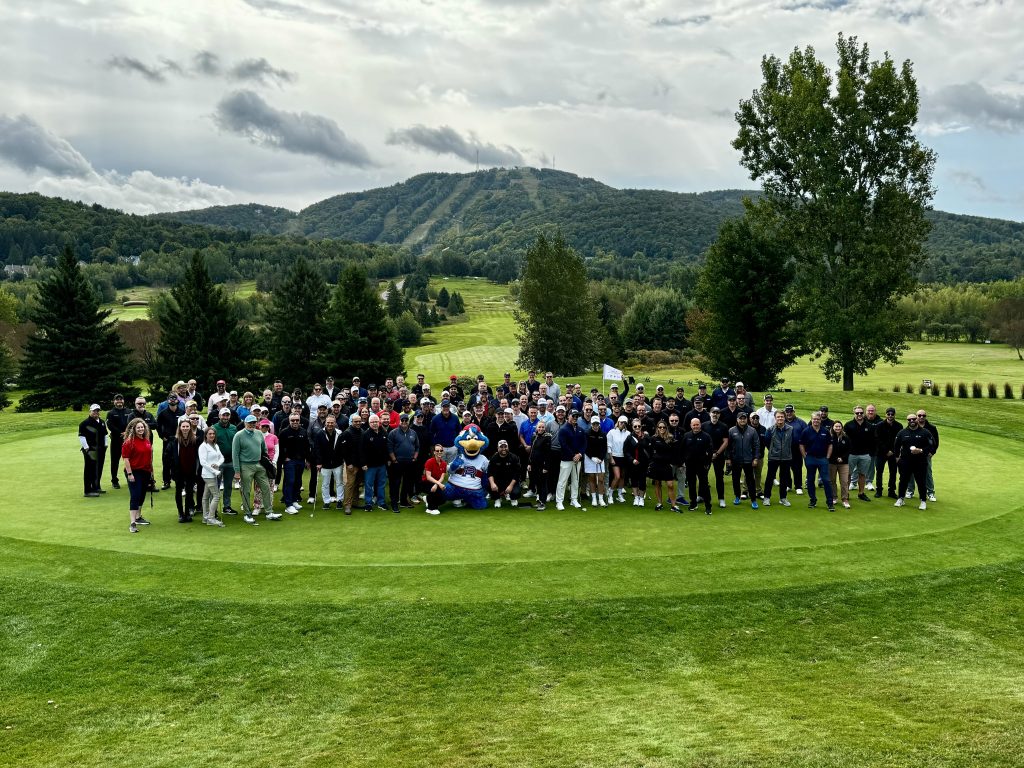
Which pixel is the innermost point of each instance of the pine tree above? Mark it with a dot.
(456, 306)
(395, 302)
(295, 326)
(8, 367)
(610, 347)
(423, 316)
(202, 335)
(359, 339)
(76, 355)
(435, 316)
(556, 317)
(443, 297)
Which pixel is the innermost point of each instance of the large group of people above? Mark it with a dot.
(390, 447)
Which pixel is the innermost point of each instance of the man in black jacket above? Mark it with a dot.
(352, 453)
(117, 422)
(503, 475)
(913, 446)
(719, 434)
(92, 435)
(697, 454)
(375, 464)
(292, 458)
(328, 453)
(166, 427)
(885, 451)
(929, 489)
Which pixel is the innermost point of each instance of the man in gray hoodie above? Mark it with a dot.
(779, 439)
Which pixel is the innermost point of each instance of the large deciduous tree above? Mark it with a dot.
(1006, 319)
(744, 324)
(847, 180)
(556, 318)
(76, 355)
(360, 341)
(203, 335)
(295, 326)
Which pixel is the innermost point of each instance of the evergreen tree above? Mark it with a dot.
(359, 340)
(423, 316)
(76, 355)
(656, 320)
(408, 330)
(8, 368)
(610, 346)
(295, 326)
(556, 317)
(745, 326)
(456, 306)
(442, 297)
(202, 334)
(435, 316)
(395, 302)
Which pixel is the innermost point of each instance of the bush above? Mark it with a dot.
(961, 390)
(949, 389)
(976, 389)
(993, 393)
(910, 389)
(922, 389)
(658, 358)
(895, 387)
(935, 390)
(408, 330)
(1008, 391)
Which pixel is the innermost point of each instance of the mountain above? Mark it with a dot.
(496, 212)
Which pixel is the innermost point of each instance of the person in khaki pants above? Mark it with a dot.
(351, 452)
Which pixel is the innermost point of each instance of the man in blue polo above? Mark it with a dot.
(816, 447)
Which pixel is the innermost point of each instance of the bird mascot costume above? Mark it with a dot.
(467, 474)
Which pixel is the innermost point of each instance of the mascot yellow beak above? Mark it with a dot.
(471, 446)
(471, 440)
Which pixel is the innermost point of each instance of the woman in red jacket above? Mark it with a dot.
(137, 458)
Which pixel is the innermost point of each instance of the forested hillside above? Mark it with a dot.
(495, 213)
(472, 223)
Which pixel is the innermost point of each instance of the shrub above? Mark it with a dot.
(935, 390)
(961, 390)
(922, 389)
(949, 389)
(910, 389)
(1008, 391)
(993, 393)
(976, 389)
(895, 387)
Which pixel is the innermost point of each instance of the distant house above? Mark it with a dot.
(17, 269)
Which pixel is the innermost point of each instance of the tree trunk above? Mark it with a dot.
(847, 377)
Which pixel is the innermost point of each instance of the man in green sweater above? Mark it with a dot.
(247, 448)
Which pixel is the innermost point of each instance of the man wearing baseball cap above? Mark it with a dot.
(720, 397)
(885, 452)
(247, 449)
(444, 428)
(504, 471)
(117, 422)
(215, 397)
(403, 451)
(572, 441)
(92, 435)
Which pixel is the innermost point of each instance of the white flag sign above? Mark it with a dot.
(611, 374)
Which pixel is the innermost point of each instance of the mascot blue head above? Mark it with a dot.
(471, 441)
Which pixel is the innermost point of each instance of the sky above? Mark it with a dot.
(152, 106)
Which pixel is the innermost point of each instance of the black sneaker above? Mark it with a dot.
(707, 510)
(863, 497)
(382, 508)
(396, 510)
(812, 505)
(230, 511)
(101, 490)
(367, 508)
(115, 484)
(878, 494)
(893, 495)
(140, 520)
(405, 505)
(692, 507)
(165, 486)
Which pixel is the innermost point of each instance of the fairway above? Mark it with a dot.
(606, 637)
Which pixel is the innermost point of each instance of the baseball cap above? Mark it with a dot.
(560, 408)
(716, 409)
(509, 411)
(250, 419)
(740, 384)
(824, 408)
(789, 407)
(265, 423)
(225, 412)
(453, 377)
(639, 387)
(702, 386)
(725, 378)
(403, 417)
(445, 403)
(890, 410)
(769, 397)
(623, 420)
(94, 407)
(595, 419)
(221, 381)
(467, 413)
(503, 442)
(424, 400)
(574, 412)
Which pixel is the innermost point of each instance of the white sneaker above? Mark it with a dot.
(846, 505)
(910, 494)
(785, 502)
(296, 505)
(923, 505)
(273, 515)
(766, 503)
(576, 504)
(256, 511)
(310, 500)
(457, 503)
(238, 485)
(515, 502)
(622, 497)
(931, 497)
(433, 511)
(560, 507)
(250, 519)
(721, 503)
(870, 486)
(497, 503)
(529, 495)
(743, 495)
(776, 482)
(799, 491)
(899, 503)
(291, 510)
(601, 501)
(551, 497)
(853, 486)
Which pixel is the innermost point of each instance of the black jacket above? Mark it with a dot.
(293, 445)
(503, 470)
(352, 447)
(117, 423)
(328, 449)
(375, 448)
(885, 437)
(697, 449)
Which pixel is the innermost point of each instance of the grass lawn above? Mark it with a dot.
(611, 637)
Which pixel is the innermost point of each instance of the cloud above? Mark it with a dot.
(974, 105)
(206, 63)
(261, 71)
(62, 170)
(969, 179)
(29, 146)
(246, 114)
(134, 66)
(688, 21)
(447, 141)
